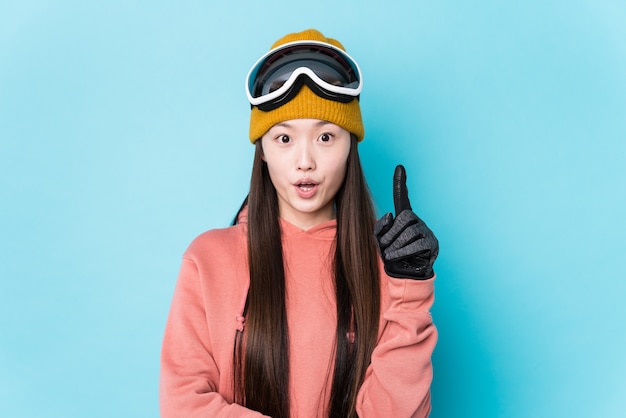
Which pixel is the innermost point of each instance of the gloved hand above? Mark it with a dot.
(407, 246)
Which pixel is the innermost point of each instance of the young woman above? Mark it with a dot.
(306, 307)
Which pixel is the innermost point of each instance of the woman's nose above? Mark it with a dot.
(306, 160)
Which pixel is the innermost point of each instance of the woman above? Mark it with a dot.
(292, 312)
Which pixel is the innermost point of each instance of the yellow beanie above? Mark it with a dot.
(306, 104)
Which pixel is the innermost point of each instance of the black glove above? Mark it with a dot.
(407, 246)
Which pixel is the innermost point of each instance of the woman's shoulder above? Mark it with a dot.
(218, 240)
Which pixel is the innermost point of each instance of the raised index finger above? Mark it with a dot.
(400, 192)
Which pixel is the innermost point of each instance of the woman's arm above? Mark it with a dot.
(397, 382)
(189, 374)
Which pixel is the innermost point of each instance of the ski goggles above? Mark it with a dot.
(277, 76)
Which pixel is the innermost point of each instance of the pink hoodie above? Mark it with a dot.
(197, 354)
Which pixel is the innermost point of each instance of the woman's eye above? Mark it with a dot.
(284, 139)
(325, 137)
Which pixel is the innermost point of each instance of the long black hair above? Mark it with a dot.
(261, 353)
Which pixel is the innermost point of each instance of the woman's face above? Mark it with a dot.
(306, 160)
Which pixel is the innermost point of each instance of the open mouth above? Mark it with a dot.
(305, 187)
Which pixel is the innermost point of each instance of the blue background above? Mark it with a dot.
(123, 135)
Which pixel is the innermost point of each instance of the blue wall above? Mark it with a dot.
(123, 129)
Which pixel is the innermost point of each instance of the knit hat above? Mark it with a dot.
(306, 104)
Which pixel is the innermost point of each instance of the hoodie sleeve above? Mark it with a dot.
(189, 374)
(397, 382)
